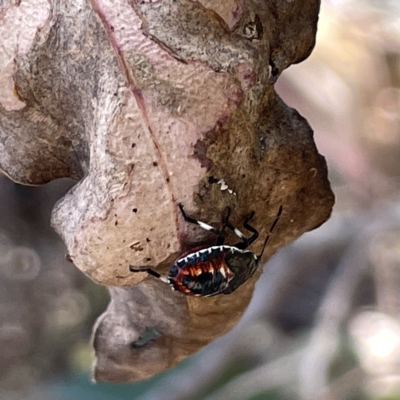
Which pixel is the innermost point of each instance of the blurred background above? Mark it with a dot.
(327, 326)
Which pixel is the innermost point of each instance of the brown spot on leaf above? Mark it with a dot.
(200, 151)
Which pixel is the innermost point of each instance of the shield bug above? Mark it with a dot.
(218, 269)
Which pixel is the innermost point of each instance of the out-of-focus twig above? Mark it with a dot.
(337, 303)
(264, 378)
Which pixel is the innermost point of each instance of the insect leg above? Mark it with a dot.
(278, 215)
(203, 225)
(246, 242)
(250, 228)
(149, 271)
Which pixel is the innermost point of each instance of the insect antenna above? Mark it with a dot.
(278, 215)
